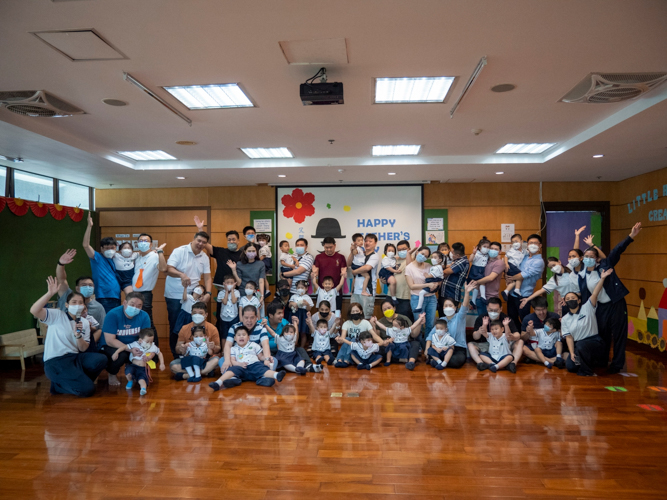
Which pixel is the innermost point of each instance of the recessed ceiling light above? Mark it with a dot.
(147, 155)
(423, 89)
(398, 150)
(255, 153)
(503, 87)
(180, 178)
(280, 175)
(598, 156)
(391, 173)
(114, 102)
(529, 149)
(186, 143)
(500, 173)
(227, 95)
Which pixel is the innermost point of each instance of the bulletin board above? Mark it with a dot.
(435, 227)
(264, 222)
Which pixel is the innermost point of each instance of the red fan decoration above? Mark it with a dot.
(75, 213)
(38, 208)
(58, 212)
(3, 202)
(18, 206)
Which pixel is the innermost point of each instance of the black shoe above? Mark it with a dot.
(482, 366)
(215, 386)
(559, 363)
(434, 363)
(387, 363)
(361, 366)
(331, 361)
(179, 376)
(231, 382)
(512, 367)
(368, 366)
(300, 370)
(210, 374)
(493, 368)
(194, 379)
(613, 370)
(440, 367)
(504, 295)
(410, 365)
(281, 375)
(529, 361)
(341, 364)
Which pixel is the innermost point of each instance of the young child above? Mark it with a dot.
(322, 342)
(479, 258)
(327, 291)
(359, 260)
(266, 257)
(299, 306)
(499, 355)
(549, 345)
(188, 300)
(137, 370)
(435, 275)
(389, 268)
(288, 262)
(248, 364)
(365, 353)
(440, 345)
(196, 354)
(124, 262)
(446, 252)
(286, 355)
(513, 258)
(250, 298)
(229, 298)
(399, 335)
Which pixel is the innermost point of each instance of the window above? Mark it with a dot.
(33, 187)
(3, 180)
(73, 195)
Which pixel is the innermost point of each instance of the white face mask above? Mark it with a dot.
(262, 243)
(493, 315)
(289, 337)
(126, 252)
(451, 255)
(484, 250)
(367, 343)
(440, 333)
(300, 291)
(109, 253)
(574, 262)
(390, 255)
(249, 291)
(435, 261)
(533, 248)
(75, 310)
(198, 291)
(147, 345)
(516, 245)
(200, 340)
(449, 311)
(198, 319)
(229, 287)
(557, 269)
(323, 331)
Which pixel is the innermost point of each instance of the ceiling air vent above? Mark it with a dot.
(37, 103)
(600, 88)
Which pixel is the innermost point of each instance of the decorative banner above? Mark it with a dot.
(18, 206)
(21, 207)
(58, 212)
(3, 202)
(38, 208)
(75, 213)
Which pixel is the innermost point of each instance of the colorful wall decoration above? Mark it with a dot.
(651, 328)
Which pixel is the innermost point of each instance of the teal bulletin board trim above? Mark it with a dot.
(434, 213)
(551, 252)
(268, 214)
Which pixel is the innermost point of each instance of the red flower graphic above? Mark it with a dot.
(18, 206)
(298, 205)
(75, 213)
(38, 208)
(58, 212)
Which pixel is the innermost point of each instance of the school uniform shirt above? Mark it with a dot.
(562, 283)
(456, 327)
(265, 251)
(94, 324)
(248, 301)
(479, 321)
(146, 272)
(353, 330)
(364, 353)
(221, 256)
(305, 261)
(60, 339)
(329, 296)
(613, 286)
(229, 311)
(200, 351)
(285, 345)
(286, 258)
(389, 322)
(454, 284)
(436, 272)
(537, 322)
(580, 325)
(321, 342)
(124, 263)
(592, 278)
(359, 256)
(441, 341)
(247, 354)
(153, 349)
(95, 309)
(546, 341)
(531, 271)
(372, 261)
(257, 335)
(331, 320)
(125, 329)
(400, 336)
(210, 332)
(498, 347)
(186, 305)
(480, 260)
(185, 261)
(105, 277)
(389, 262)
(515, 256)
(302, 301)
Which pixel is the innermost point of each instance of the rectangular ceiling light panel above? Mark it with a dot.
(319, 51)
(227, 95)
(256, 153)
(423, 89)
(147, 155)
(80, 45)
(399, 150)
(525, 149)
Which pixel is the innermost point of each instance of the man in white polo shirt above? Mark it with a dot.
(185, 267)
(147, 268)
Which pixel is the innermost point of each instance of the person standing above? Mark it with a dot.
(453, 285)
(532, 267)
(147, 267)
(415, 275)
(403, 259)
(371, 261)
(107, 287)
(493, 271)
(304, 265)
(329, 263)
(84, 285)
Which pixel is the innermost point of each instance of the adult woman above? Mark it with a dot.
(351, 329)
(491, 280)
(415, 275)
(249, 268)
(388, 315)
(403, 259)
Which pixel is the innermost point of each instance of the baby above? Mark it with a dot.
(389, 268)
(137, 370)
(124, 262)
(513, 258)
(196, 354)
(288, 262)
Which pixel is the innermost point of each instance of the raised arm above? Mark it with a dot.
(588, 241)
(469, 288)
(37, 309)
(417, 325)
(376, 324)
(343, 274)
(200, 227)
(577, 232)
(90, 252)
(598, 288)
(483, 330)
(162, 262)
(615, 254)
(61, 275)
(232, 266)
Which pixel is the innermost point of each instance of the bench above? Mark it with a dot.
(21, 345)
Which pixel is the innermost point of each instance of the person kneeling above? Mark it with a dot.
(440, 346)
(248, 364)
(365, 353)
(137, 370)
(499, 355)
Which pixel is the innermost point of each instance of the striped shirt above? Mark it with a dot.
(453, 286)
(305, 261)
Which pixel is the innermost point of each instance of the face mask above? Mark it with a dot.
(251, 255)
(435, 261)
(557, 269)
(126, 252)
(572, 304)
(109, 253)
(440, 333)
(324, 315)
(451, 255)
(574, 262)
(199, 340)
(198, 319)
(300, 250)
(300, 291)
(143, 246)
(402, 254)
(449, 311)
(493, 253)
(249, 291)
(131, 311)
(484, 250)
(229, 287)
(262, 243)
(367, 343)
(284, 292)
(533, 248)
(516, 245)
(388, 313)
(87, 291)
(494, 315)
(323, 331)
(232, 247)
(75, 310)
(250, 237)
(198, 291)
(547, 328)
(289, 338)
(589, 261)
(390, 255)
(147, 345)
(355, 316)
(421, 258)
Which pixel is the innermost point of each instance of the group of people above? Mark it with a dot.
(301, 330)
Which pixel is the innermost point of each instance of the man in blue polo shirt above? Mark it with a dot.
(532, 267)
(121, 327)
(107, 287)
(258, 335)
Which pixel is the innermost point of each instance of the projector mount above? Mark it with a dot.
(322, 73)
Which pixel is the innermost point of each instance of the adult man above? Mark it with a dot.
(107, 287)
(305, 264)
(531, 268)
(479, 344)
(491, 280)
(185, 336)
(185, 267)
(453, 285)
(329, 263)
(147, 268)
(258, 335)
(538, 317)
(84, 285)
(121, 327)
(370, 266)
(402, 289)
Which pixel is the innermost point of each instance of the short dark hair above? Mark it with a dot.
(389, 301)
(203, 234)
(452, 300)
(74, 294)
(540, 301)
(282, 242)
(107, 241)
(552, 259)
(135, 295)
(594, 250)
(146, 332)
(444, 243)
(146, 234)
(553, 322)
(424, 247)
(289, 328)
(400, 320)
(403, 242)
(198, 328)
(494, 300)
(302, 239)
(442, 322)
(483, 241)
(365, 336)
(273, 308)
(515, 235)
(577, 251)
(81, 278)
(459, 248)
(357, 235)
(372, 236)
(248, 228)
(241, 327)
(327, 278)
(301, 282)
(496, 244)
(282, 284)
(263, 237)
(439, 255)
(250, 282)
(199, 305)
(247, 308)
(121, 245)
(325, 303)
(229, 277)
(322, 322)
(329, 240)
(232, 232)
(535, 237)
(387, 246)
(244, 248)
(496, 323)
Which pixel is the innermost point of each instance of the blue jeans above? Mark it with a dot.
(109, 304)
(481, 307)
(429, 306)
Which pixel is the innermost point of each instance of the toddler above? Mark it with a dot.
(365, 352)
(287, 262)
(435, 275)
(499, 355)
(513, 258)
(440, 345)
(124, 262)
(94, 327)
(549, 344)
(248, 364)
(399, 336)
(479, 259)
(327, 292)
(196, 354)
(250, 298)
(266, 257)
(359, 260)
(299, 306)
(286, 355)
(389, 268)
(322, 343)
(229, 298)
(188, 300)
(137, 369)
(447, 255)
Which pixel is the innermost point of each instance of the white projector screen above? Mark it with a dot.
(393, 213)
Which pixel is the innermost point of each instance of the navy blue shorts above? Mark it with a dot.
(371, 359)
(287, 358)
(476, 273)
(268, 265)
(125, 278)
(285, 269)
(137, 372)
(434, 280)
(513, 270)
(184, 318)
(254, 372)
(496, 361)
(399, 351)
(187, 361)
(317, 354)
(436, 354)
(549, 353)
(385, 274)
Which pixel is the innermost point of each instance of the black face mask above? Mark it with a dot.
(572, 304)
(325, 316)
(356, 316)
(284, 292)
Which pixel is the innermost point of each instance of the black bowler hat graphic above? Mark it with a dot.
(328, 227)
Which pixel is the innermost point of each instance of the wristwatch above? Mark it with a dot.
(159, 251)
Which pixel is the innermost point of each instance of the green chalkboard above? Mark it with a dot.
(29, 250)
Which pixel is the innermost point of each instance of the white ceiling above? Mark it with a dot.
(544, 48)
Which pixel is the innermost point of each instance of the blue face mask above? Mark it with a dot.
(87, 291)
(300, 250)
(144, 246)
(250, 237)
(589, 261)
(493, 253)
(547, 328)
(402, 254)
(421, 258)
(131, 311)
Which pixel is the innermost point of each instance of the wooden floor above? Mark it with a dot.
(423, 434)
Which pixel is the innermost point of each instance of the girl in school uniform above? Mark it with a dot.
(286, 356)
(389, 268)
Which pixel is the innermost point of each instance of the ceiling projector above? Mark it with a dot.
(317, 94)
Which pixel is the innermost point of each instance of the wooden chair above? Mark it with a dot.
(21, 345)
